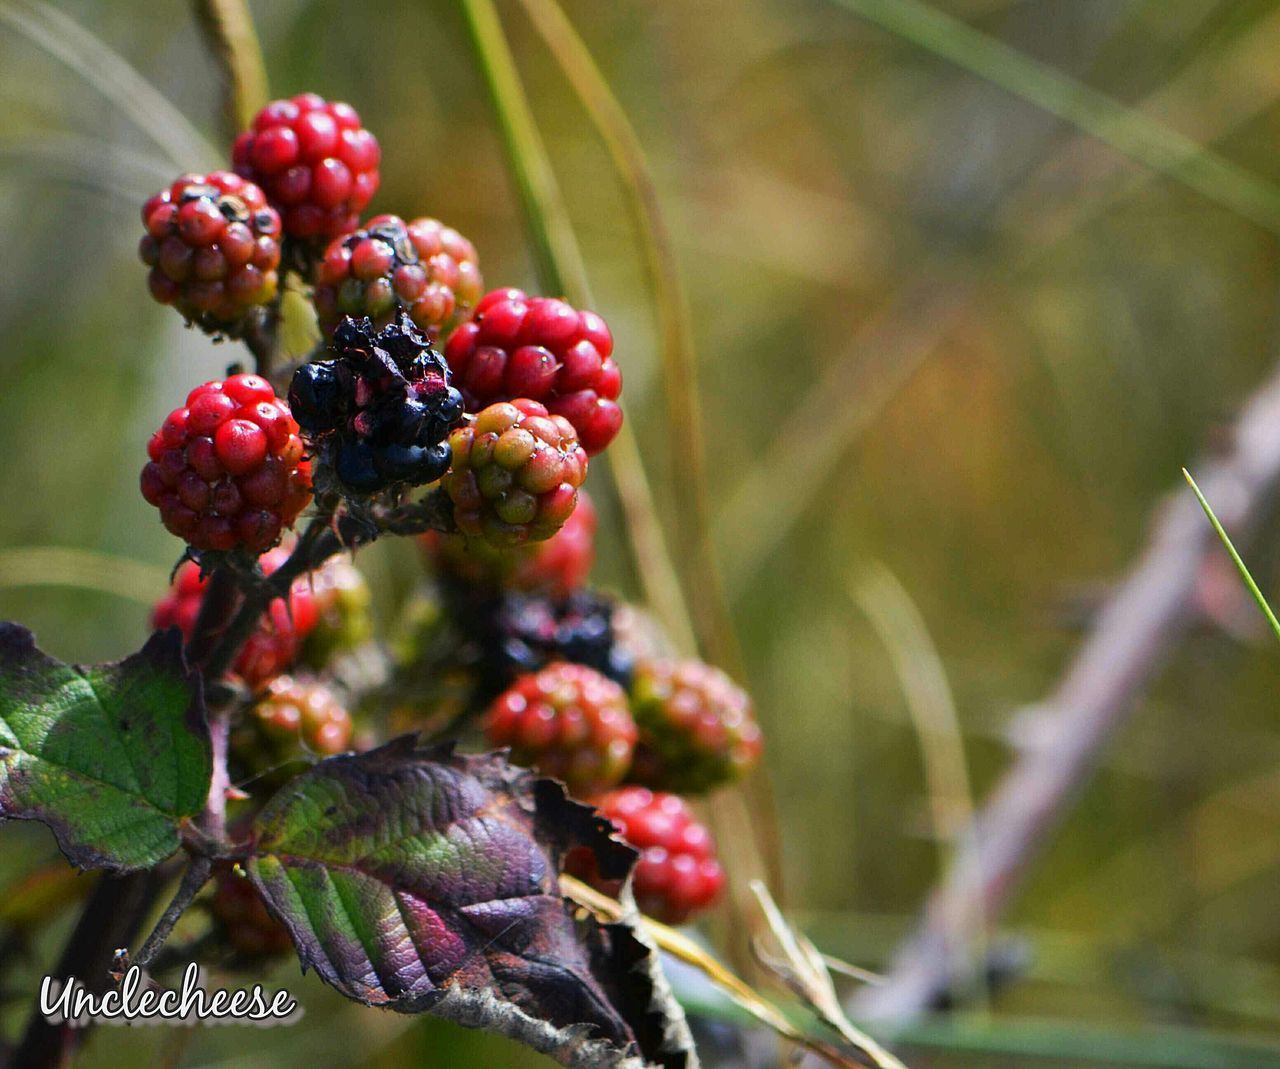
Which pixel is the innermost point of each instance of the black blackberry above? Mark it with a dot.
(380, 412)
(508, 633)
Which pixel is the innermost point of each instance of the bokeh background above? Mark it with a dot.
(952, 353)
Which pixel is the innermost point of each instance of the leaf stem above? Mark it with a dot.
(193, 880)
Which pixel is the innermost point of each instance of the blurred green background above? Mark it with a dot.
(941, 332)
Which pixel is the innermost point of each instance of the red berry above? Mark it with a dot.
(568, 721)
(543, 349)
(294, 711)
(697, 727)
(556, 567)
(227, 470)
(313, 161)
(274, 646)
(677, 874)
(515, 473)
(202, 233)
(423, 266)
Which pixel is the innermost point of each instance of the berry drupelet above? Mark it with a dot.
(379, 413)
(677, 875)
(424, 267)
(227, 469)
(569, 722)
(271, 648)
(515, 475)
(317, 165)
(546, 350)
(213, 246)
(697, 727)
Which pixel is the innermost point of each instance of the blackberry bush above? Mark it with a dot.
(407, 872)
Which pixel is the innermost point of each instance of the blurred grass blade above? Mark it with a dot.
(679, 360)
(558, 258)
(1235, 556)
(88, 162)
(931, 708)
(228, 25)
(1142, 139)
(111, 75)
(82, 569)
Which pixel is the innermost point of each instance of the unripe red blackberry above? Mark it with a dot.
(697, 727)
(227, 469)
(556, 567)
(301, 711)
(569, 722)
(213, 246)
(515, 474)
(379, 413)
(243, 919)
(314, 161)
(424, 267)
(677, 874)
(343, 602)
(274, 646)
(543, 349)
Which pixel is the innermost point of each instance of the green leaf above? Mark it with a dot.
(419, 879)
(111, 757)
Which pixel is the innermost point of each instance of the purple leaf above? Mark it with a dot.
(422, 879)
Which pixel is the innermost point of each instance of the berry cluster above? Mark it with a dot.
(295, 713)
(227, 469)
(379, 412)
(697, 727)
(274, 646)
(315, 162)
(515, 475)
(213, 246)
(502, 420)
(543, 349)
(569, 721)
(424, 267)
(677, 874)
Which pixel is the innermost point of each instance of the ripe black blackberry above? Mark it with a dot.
(380, 412)
(506, 634)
